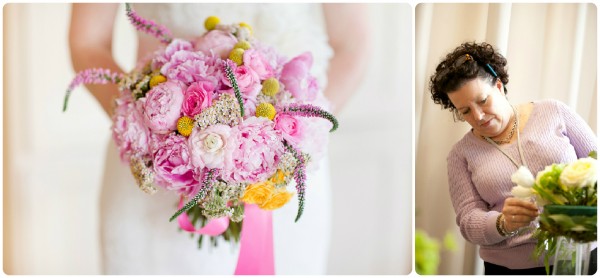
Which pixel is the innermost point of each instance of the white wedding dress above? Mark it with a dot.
(136, 236)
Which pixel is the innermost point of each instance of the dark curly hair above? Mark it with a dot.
(465, 63)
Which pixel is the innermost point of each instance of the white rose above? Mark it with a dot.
(523, 177)
(522, 192)
(580, 173)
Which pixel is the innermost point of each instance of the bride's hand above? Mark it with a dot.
(518, 213)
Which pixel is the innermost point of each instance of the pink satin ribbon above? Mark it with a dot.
(256, 242)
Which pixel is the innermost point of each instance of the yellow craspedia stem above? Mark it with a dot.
(245, 45)
(270, 87)
(246, 25)
(266, 110)
(185, 125)
(237, 56)
(157, 79)
(211, 22)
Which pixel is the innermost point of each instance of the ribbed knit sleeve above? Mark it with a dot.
(476, 221)
(580, 135)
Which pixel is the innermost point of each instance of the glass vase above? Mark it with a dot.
(572, 258)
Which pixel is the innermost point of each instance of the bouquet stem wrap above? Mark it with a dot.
(256, 243)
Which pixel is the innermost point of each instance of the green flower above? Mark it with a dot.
(427, 253)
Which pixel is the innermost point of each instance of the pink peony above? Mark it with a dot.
(172, 167)
(162, 106)
(190, 67)
(197, 97)
(212, 147)
(129, 132)
(164, 55)
(255, 60)
(291, 128)
(257, 151)
(296, 78)
(217, 42)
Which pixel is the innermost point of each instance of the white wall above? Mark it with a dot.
(53, 161)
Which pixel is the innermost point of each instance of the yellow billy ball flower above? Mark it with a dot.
(266, 110)
(258, 193)
(246, 25)
(245, 45)
(211, 22)
(270, 87)
(279, 198)
(185, 125)
(157, 79)
(237, 56)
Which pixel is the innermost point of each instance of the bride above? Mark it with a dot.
(136, 236)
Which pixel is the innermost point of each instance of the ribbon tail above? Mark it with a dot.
(214, 227)
(256, 243)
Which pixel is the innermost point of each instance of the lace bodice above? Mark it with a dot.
(291, 28)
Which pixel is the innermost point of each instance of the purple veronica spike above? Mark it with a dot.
(92, 76)
(307, 110)
(148, 26)
(299, 177)
(207, 183)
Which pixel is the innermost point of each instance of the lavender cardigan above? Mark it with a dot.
(479, 177)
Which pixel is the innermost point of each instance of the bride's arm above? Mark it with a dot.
(90, 41)
(347, 28)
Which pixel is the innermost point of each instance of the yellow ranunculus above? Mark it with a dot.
(277, 200)
(258, 193)
(278, 177)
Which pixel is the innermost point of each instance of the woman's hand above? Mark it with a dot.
(518, 213)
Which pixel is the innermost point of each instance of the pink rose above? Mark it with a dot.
(296, 78)
(256, 153)
(247, 80)
(129, 132)
(190, 67)
(197, 97)
(216, 41)
(212, 147)
(162, 106)
(164, 56)
(172, 167)
(255, 60)
(291, 128)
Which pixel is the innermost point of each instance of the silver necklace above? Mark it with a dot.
(520, 148)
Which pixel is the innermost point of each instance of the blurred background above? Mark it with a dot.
(552, 53)
(53, 161)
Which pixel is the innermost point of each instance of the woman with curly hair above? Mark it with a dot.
(471, 82)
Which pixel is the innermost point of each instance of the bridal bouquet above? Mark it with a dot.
(223, 120)
(568, 193)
